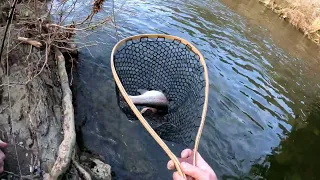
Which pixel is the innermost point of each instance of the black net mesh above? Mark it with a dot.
(171, 67)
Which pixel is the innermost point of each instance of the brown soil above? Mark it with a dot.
(303, 14)
(30, 106)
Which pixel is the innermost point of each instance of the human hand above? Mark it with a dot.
(2, 156)
(200, 172)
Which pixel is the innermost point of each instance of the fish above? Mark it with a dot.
(153, 98)
(154, 102)
(148, 111)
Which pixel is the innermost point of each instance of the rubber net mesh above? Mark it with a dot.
(171, 67)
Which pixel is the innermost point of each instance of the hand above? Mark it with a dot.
(200, 172)
(2, 156)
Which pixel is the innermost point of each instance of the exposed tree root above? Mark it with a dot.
(67, 146)
(85, 175)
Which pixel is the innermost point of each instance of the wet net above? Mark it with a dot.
(166, 64)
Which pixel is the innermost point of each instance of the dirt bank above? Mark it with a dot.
(35, 99)
(30, 104)
(303, 14)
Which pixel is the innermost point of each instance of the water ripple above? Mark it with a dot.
(256, 88)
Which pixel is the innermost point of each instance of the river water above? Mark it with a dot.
(263, 117)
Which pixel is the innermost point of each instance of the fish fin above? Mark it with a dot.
(142, 91)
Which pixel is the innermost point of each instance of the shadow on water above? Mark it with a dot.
(264, 79)
(297, 155)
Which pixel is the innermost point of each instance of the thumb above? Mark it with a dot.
(194, 171)
(3, 144)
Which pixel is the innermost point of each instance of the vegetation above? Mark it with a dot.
(303, 14)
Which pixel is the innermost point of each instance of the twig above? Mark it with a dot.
(7, 26)
(114, 20)
(1, 112)
(35, 7)
(89, 51)
(72, 49)
(78, 24)
(73, 7)
(9, 84)
(14, 47)
(30, 41)
(27, 59)
(81, 170)
(82, 29)
(62, 27)
(44, 64)
(50, 9)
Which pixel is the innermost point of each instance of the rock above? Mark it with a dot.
(29, 142)
(101, 170)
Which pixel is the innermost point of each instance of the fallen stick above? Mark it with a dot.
(62, 27)
(85, 175)
(30, 41)
(67, 146)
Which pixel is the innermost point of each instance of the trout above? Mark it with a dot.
(155, 102)
(151, 98)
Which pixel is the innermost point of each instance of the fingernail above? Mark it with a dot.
(171, 166)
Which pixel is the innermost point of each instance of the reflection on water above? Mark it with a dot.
(264, 78)
(297, 155)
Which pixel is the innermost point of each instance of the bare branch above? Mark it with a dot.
(30, 41)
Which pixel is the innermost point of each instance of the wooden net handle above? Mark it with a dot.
(139, 115)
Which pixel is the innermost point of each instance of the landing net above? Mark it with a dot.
(169, 64)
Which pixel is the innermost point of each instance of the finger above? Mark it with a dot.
(1, 169)
(170, 165)
(2, 156)
(194, 171)
(176, 176)
(3, 144)
(186, 153)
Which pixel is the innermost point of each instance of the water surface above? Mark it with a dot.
(262, 120)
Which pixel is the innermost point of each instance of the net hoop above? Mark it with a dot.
(143, 121)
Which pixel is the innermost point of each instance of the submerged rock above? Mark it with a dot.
(96, 167)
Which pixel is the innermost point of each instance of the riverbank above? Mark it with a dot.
(36, 109)
(303, 14)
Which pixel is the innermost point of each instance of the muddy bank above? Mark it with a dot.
(303, 14)
(33, 108)
(30, 103)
